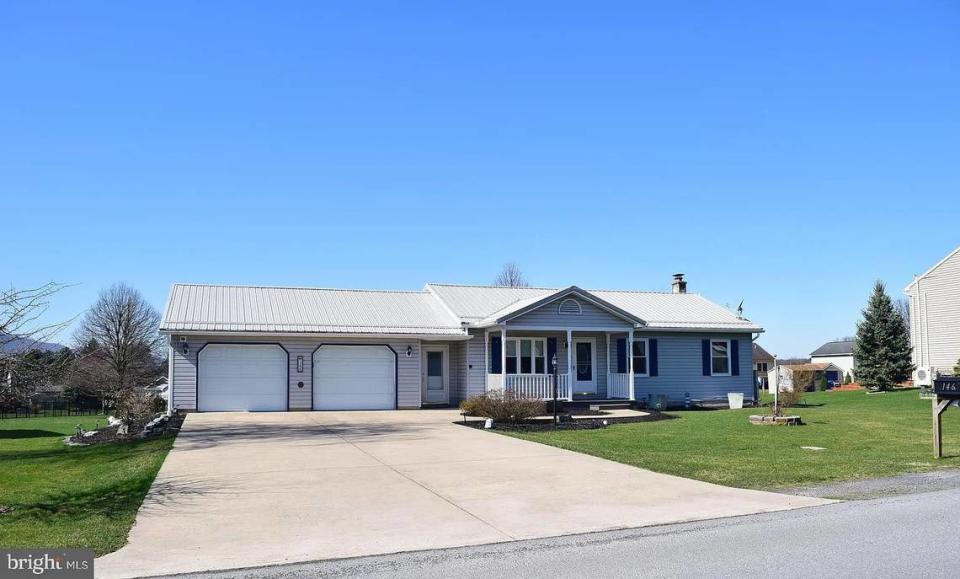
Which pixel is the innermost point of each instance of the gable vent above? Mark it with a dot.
(571, 307)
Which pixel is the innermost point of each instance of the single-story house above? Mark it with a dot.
(246, 348)
(763, 361)
(935, 317)
(782, 376)
(840, 354)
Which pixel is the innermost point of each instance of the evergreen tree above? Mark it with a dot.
(883, 343)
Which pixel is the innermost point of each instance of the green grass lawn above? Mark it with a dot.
(71, 496)
(864, 435)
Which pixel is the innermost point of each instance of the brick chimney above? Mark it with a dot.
(679, 285)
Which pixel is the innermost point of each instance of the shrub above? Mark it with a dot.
(790, 398)
(137, 408)
(822, 384)
(503, 407)
(847, 378)
(956, 369)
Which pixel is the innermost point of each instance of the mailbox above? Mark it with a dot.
(947, 387)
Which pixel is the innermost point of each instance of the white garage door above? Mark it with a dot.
(354, 378)
(234, 377)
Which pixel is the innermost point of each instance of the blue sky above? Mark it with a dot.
(785, 154)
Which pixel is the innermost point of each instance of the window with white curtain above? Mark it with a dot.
(526, 355)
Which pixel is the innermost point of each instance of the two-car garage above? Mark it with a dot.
(255, 377)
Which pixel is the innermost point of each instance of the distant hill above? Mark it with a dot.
(10, 344)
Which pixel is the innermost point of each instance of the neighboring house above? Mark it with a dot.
(935, 315)
(782, 376)
(763, 362)
(159, 388)
(236, 348)
(840, 354)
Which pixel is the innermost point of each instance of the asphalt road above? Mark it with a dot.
(914, 535)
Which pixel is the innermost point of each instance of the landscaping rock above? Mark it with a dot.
(766, 419)
(157, 424)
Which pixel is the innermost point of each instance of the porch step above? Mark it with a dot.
(604, 404)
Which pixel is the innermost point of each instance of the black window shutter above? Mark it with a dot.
(621, 355)
(652, 356)
(705, 350)
(496, 359)
(551, 352)
(735, 357)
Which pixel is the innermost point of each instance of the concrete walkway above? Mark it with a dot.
(241, 490)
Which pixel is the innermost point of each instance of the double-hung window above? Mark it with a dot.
(640, 358)
(720, 357)
(526, 355)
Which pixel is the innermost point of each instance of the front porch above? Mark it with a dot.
(520, 360)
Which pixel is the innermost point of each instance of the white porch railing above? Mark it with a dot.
(618, 386)
(531, 385)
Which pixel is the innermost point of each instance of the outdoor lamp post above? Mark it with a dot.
(554, 362)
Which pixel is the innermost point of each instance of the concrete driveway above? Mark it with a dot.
(241, 490)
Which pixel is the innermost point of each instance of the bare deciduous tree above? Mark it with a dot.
(24, 370)
(120, 344)
(510, 276)
(20, 312)
(793, 383)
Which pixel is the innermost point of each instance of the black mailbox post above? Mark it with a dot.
(947, 390)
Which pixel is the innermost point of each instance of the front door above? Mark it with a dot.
(436, 380)
(584, 372)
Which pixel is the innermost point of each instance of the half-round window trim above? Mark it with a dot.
(573, 309)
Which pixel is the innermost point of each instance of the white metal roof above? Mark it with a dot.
(659, 310)
(218, 308)
(676, 311)
(472, 302)
(438, 311)
(521, 307)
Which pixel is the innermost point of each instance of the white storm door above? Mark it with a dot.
(436, 375)
(585, 361)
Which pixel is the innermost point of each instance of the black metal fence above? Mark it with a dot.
(50, 406)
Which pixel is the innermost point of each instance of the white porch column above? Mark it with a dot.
(630, 363)
(503, 357)
(608, 364)
(570, 362)
(486, 360)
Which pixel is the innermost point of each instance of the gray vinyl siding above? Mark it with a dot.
(458, 372)
(935, 317)
(476, 382)
(680, 368)
(184, 380)
(549, 316)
